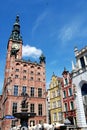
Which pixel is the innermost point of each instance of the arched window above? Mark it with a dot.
(38, 68)
(84, 89)
(17, 64)
(25, 65)
(71, 105)
(32, 66)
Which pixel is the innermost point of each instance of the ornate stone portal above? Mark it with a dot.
(24, 115)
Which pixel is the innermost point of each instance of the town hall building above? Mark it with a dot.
(22, 77)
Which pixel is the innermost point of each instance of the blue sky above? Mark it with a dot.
(53, 27)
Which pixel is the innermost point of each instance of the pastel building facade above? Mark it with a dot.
(69, 106)
(55, 100)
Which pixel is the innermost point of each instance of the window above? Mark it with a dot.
(54, 117)
(25, 65)
(15, 90)
(14, 108)
(71, 105)
(32, 66)
(17, 64)
(65, 107)
(40, 121)
(24, 71)
(53, 94)
(82, 62)
(24, 89)
(66, 81)
(32, 92)
(16, 76)
(31, 78)
(60, 116)
(70, 92)
(38, 79)
(13, 123)
(38, 73)
(32, 123)
(32, 108)
(39, 92)
(38, 68)
(17, 70)
(32, 72)
(64, 94)
(54, 105)
(58, 92)
(40, 109)
(59, 103)
(24, 77)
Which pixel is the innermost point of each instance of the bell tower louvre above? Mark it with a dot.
(22, 77)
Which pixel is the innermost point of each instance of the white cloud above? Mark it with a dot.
(31, 51)
(39, 21)
(73, 29)
(68, 32)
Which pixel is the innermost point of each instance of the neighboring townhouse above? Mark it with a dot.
(69, 107)
(55, 100)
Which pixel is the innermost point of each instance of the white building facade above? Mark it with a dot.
(79, 79)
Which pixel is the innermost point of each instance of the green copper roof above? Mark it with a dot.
(15, 35)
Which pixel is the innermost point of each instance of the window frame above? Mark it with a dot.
(32, 107)
(14, 107)
(39, 92)
(15, 90)
(32, 92)
(40, 110)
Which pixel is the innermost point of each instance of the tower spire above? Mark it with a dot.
(15, 35)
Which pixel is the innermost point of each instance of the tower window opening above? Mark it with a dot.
(82, 62)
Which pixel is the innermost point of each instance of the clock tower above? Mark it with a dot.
(14, 48)
(15, 41)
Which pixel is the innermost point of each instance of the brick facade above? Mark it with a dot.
(21, 75)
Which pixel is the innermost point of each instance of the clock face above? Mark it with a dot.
(15, 46)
